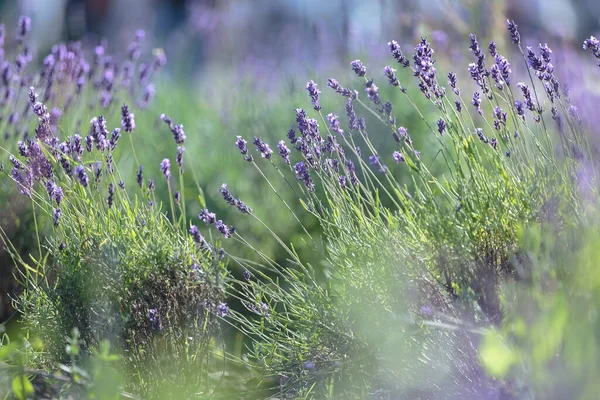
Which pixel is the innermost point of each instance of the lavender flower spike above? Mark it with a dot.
(197, 236)
(514, 33)
(264, 148)
(241, 144)
(127, 119)
(359, 68)
(82, 175)
(284, 151)
(441, 126)
(313, 92)
(165, 167)
(390, 73)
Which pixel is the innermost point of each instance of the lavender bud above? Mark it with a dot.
(262, 147)
(390, 73)
(358, 68)
(111, 195)
(82, 175)
(127, 119)
(284, 151)
(179, 158)
(151, 185)
(313, 92)
(241, 144)
(398, 157)
(514, 33)
(222, 310)
(197, 236)
(207, 217)
(140, 176)
(57, 214)
(441, 124)
(165, 167)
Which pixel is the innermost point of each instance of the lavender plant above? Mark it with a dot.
(418, 274)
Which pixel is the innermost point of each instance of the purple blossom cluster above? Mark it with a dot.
(228, 197)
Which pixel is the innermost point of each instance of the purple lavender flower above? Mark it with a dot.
(514, 33)
(114, 138)
(458, 105)
(441, 124)
(140, 176)
(527, 95)
(452, 81)
(493, 48)
(57, 214)
(197, 236)
(165, 166)
(177, 197)
(477, 102)
(109, 163)
(481, 136)
(24, 27)
(207, 217)
(302, 174)
(127, 119)
(335, 85)
(494, 143)
(122, 184)
(246, 275)
(342, 181)
(358, 68)
(313, 92)
(351, 114)
(179, 158)
(284, 151)
(227, 231)
(241, 144)
(222, 310)
(334, 124)
(151, 185)
(154, 320)
(227, 196)
(262, 147)
(374, 159)
(111, 195)
(176, 130)
(593, 45)
(417, 154)
(390, 73)
(397, 54)
(424, 70)
(398, 157)
(372, 92)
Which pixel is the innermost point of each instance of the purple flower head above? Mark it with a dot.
(122, 184)
(372, 92)
(262, 147)
(57, 214)
(197, 236)
(397, 54)
(179, 158)
(390, 73)
(154, 320)
(477, 102)
(417, 154)
(334, 124)
(593, 45)
(452, 81)
(302, 174)
(545, 52)
(227, 196)
(458, 105)
(359, 68)
(176, 129)
(140, 176)
(23, 27)
(246, 275)
(313, 92)
(82, 175)
(481, 136)
(334, 84)
(127, 119)
(207, 217)
(398, 157)
(494, 143)
(151, 185)
(114, 138)
(284, 151)
(227, 231)
(374, 159)
(441, 124)
(514, 33)
(351, 114)
(165, 166)
(241, 144)
(111, 195)
(425, 71)
(222, 310)
(527, 95)
(342, 181)
(493, 49)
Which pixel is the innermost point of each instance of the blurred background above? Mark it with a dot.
(238, 67)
